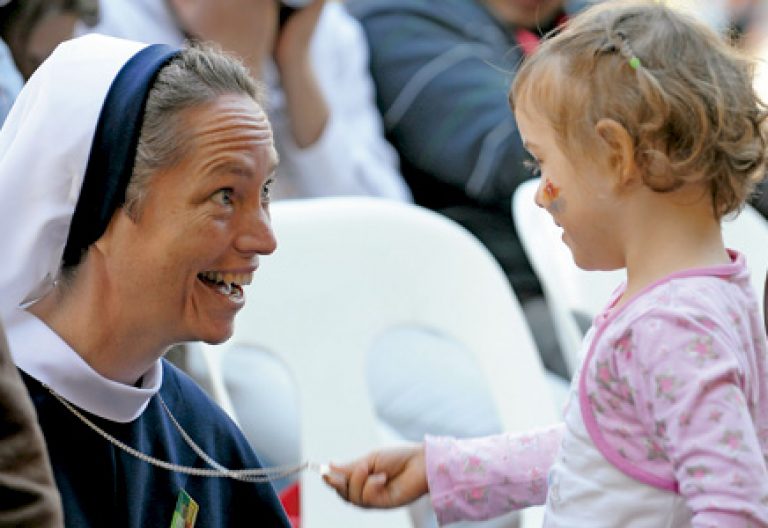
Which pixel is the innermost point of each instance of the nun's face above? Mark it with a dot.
(179, 267)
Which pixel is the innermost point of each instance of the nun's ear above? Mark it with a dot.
(119, 222)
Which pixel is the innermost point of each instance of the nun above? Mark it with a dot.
(134, 191)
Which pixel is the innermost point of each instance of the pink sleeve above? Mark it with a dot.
(480, 478)
(693, 392)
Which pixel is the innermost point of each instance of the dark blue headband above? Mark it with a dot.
(110, 163)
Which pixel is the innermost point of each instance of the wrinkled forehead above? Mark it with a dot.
(229, 122)
(233, 113)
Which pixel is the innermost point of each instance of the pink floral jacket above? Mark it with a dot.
(673, 392)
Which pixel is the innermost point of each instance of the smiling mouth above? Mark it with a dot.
(229, 285)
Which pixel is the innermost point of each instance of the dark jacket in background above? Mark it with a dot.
(443, 71)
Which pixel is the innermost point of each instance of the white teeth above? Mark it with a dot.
(237, 294)
(242, 279)
(239, 279)
(224, 289)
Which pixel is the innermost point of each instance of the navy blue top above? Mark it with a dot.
(102, 485)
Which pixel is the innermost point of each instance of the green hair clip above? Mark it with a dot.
(635, 63)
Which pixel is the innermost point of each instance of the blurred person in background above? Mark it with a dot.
(319, 93)
(442, 72)
(29, 32)
(749, 27)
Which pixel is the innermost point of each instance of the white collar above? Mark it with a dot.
(41, 353)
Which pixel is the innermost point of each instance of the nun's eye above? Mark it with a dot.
(266, 191)
(224, 197)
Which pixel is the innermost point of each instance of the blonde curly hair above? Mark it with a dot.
(683, 94)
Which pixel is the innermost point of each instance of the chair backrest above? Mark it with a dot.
(346, 271)
(748, 233)
(574, 294)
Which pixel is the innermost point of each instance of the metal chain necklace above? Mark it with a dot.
(218, 471)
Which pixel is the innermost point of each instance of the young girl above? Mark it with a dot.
(647, 132)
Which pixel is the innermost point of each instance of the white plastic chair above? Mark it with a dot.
(748, 233)
(574, 294)
(346, 271)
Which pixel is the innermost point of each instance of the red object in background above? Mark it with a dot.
(290, 499)
(529, 40)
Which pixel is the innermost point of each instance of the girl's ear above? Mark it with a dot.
(620, 149)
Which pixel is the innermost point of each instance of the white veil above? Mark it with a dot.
(44, 148)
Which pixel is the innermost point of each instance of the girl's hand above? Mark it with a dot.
(383, 479)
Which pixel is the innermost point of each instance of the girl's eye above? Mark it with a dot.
(224, 197)
(266, 191)
(533, 167)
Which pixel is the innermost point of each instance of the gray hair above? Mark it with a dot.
(198, 75)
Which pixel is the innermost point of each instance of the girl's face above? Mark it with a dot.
(578, 193)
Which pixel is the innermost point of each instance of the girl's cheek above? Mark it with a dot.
(551, 191)
(553, 202)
